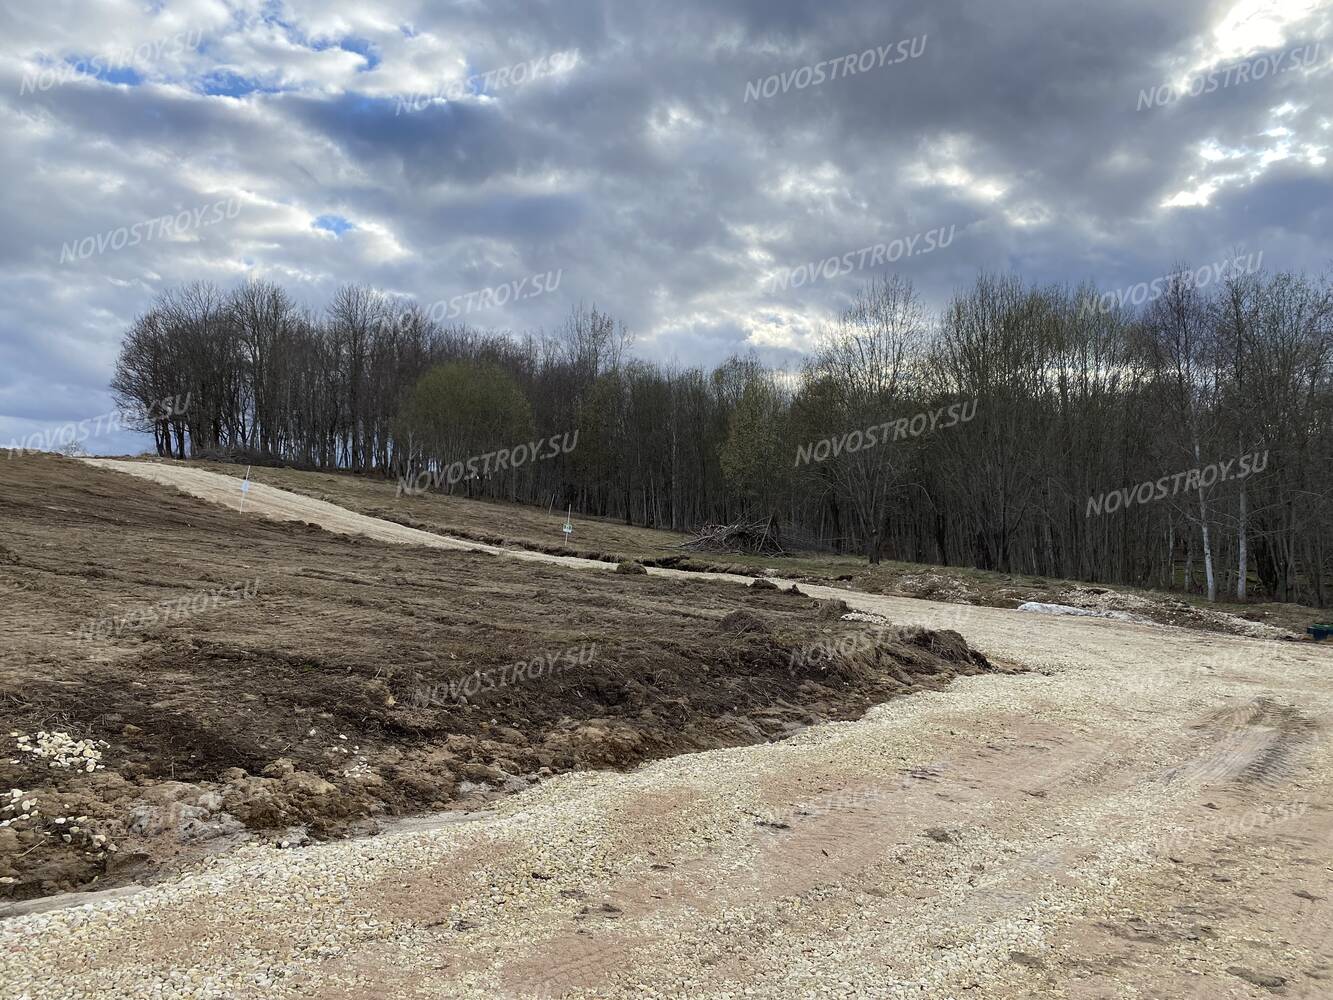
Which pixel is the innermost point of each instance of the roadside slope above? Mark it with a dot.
(240, 677)
(1123, 823)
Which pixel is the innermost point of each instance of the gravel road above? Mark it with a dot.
(1145, 814)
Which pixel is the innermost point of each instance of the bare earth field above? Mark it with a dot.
(322, 700)
(1144, 812)
(515, 525)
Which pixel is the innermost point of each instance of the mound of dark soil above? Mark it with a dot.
(362, 680)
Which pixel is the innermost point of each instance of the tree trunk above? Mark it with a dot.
(1242, 564)
(1207, 550)
(1203, 529)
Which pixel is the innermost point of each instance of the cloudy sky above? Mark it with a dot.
(670, 162)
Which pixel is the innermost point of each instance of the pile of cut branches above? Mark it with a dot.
(752, 537)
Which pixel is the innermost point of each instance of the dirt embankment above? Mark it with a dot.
(237, 676)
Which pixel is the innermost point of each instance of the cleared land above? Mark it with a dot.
(357, 680)
(1145, 813)
(515, 525)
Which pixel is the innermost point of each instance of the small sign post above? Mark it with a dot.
(245, 488)
(568, 529)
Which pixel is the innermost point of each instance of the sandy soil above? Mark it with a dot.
(1146, 814)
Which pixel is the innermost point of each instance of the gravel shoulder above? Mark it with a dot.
(1147, 813)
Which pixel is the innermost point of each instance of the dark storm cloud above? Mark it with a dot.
(641, 171)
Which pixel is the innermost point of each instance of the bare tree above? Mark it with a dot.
(1070, 401)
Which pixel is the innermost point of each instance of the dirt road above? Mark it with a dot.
(1147, 815)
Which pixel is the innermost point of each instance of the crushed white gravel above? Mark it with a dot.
(61, 750)
(1064, 609)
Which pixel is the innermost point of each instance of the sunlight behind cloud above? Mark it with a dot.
(1255, 25)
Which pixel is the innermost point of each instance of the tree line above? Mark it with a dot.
(1025, 429)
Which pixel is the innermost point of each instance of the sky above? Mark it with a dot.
(686, 166)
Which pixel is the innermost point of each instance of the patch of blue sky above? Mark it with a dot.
(335, 224)
(225, 83)
(100, 68)
(363, 48)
